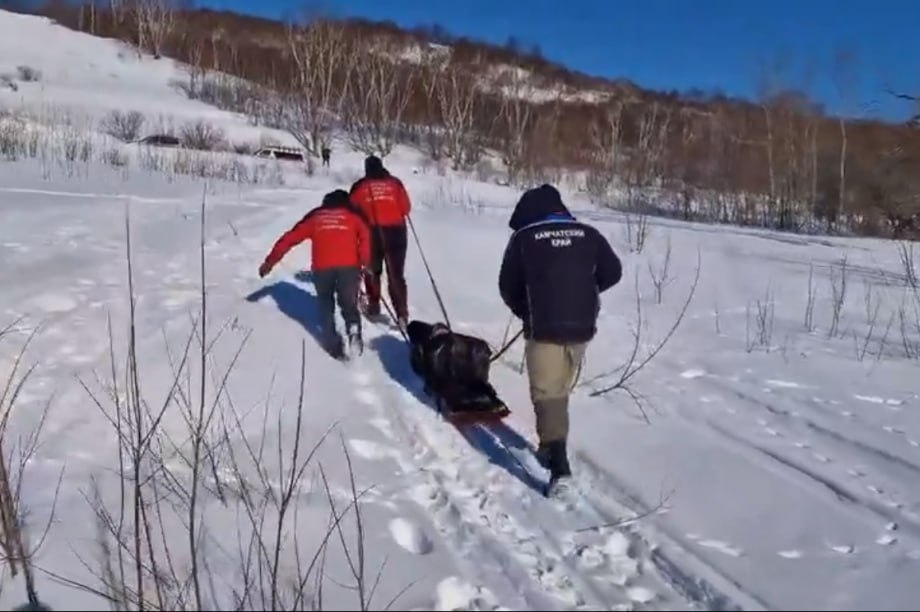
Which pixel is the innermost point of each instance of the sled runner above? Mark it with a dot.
(472, 410)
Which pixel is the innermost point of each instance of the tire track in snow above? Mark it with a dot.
(889, 509)
(477, 505)
(841, 492)
(821, 430)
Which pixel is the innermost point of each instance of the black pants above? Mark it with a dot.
(338, 284)
(388, 246)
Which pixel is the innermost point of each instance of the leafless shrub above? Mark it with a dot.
(16, 452)
(839, 278)
(909, 323)
(203, 136)
(453, 101)
(810, 301)
(909, 311)
(759, 324)
(125, 126)
(636, 230)
(634, 365)
(661, 277)
(115, 157)
(607, 148)
(377, 99)
(7, 82)
(322, 67)
(154, 21)
(516, 121)
(243, 148)
(74, 146)
(908, 263)
(873, 306)
(27, 74)
(159, 541)
(13, 131)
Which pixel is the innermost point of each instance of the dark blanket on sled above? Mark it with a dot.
(454, 367)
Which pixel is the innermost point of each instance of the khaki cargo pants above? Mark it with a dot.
(552, 370)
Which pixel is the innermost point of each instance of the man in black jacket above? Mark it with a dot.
(553, 272)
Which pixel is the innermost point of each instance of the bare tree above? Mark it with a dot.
(604, 138)
(515, 120)
(455, 100)
(635, 364)
(155, 20)
(378, 96)
(843, 82)
(323, 62)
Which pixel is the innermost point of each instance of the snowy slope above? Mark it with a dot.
(777, 468)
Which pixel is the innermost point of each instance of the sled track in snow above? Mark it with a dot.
(705, 586)
(536, 554)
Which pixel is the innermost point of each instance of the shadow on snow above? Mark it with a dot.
(496, 441)
(297, 303)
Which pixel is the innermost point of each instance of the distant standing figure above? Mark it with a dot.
(385, 202)
(327, 153)
(341, 248)
(552, 274)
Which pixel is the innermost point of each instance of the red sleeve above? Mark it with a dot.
(364, 241)
(291, 238)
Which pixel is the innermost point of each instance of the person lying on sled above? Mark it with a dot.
(455, 370)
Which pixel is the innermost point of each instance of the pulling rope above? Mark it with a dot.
(434, 285)
(507, 346)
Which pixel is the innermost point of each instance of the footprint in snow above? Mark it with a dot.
(640, 594)
(410, 536)
(362, 378)
(843, 549)
(886, 539)
(454, 593)
(790, 554)
(367, 397)
(784, 384)
(722, 547)
(368, 449)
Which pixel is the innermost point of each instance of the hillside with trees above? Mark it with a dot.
(780, 162)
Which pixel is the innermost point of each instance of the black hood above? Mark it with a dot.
(536, 205)
(336, 198)
(373, 168)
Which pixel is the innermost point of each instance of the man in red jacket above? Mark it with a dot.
(341, 249)
(384, 200)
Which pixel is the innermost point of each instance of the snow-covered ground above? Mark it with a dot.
(776, 468)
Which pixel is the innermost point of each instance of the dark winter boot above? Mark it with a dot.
(355, 342)
(335, 345)
(560, 475)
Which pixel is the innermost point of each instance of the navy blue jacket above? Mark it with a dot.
(554, 269)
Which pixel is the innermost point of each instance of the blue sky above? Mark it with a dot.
(674, 44)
